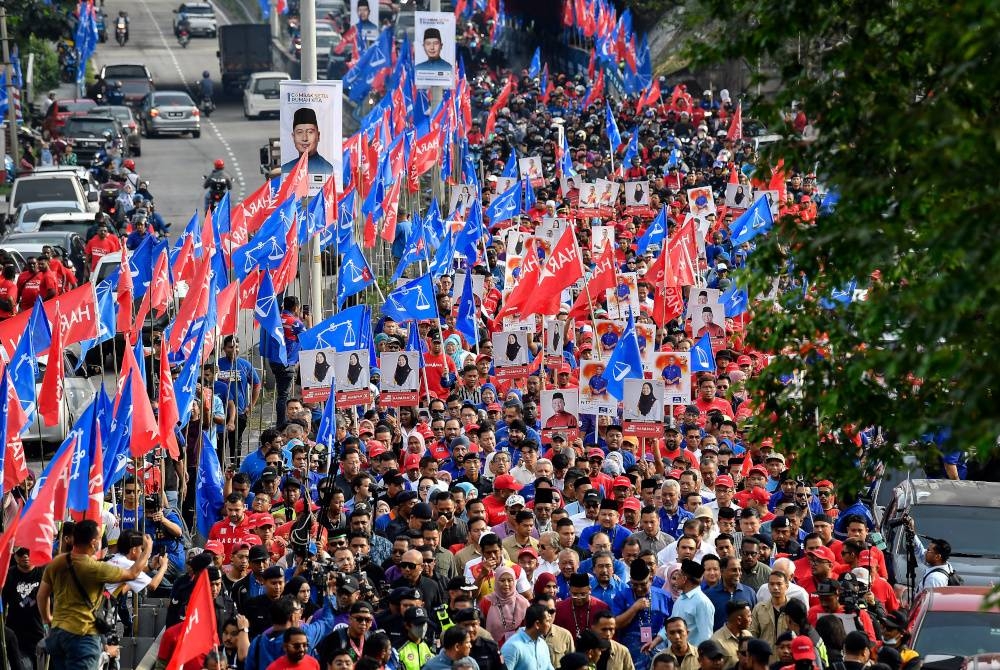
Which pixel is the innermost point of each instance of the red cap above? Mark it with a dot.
(595, 453)
(375, 449)
(527, 550)
(744, 360)
(866, 559)
(300, 505)
(802, 649)
(507, 483)
(411, 462)
(494, 407)
(264, 520)
(760, 495)
(675, 474)
(483, 357)
(632, 504)
(767, 442)
(823, 554)
(215, 547)
(249, 541)
(366, 425)
(759, 469)
(824, 482)
(621, 481)
(725, 480)
(565, 368)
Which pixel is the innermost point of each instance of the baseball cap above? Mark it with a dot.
(862, 575)
(422, 511)
(269, 473)
(300, 506)
(415, 615)
(758, 469)
(215, 547)
(595, 452)
(264, 520)
(507, 483)
(744, 360)
(724, 480)
(780, 522)
(803, 649)
(528, 550)
(775, 456)
(514, 500)
(348, 585)
(365, 426)
(759, 648)
(621, 481)
(632, 504)
(591, 496)
(711, 649)
(273, 572)
(258, 553)
(412, 462)
(249, 541)
(823, 554)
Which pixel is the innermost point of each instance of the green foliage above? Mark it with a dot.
(46, 62)
(904, 98)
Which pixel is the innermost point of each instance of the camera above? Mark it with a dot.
(152, 504)
(852, 593)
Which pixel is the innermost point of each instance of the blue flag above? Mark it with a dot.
(413, 340)
(466, 321)
(529, 195)
(753, 222)
(268, 247)
(344, 330)
(434, 225)
(625, 362)
(467, 242)
(632, 150)
(327, 430)
(702, 356)
(536, 64)
(345, 220)
(354, 276)
(415, 249)
(565, 161)
(414, 300)
(839, 296)
(510, 169)
(735, 301)
(444, 255)
(86, 432)
(116, 449)
(23, 366)
(614, 137)
(655, 234)
(268, 315)
(187, 380)
(506, 205)
(208, 488)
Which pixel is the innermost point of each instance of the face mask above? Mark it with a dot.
(418, 631)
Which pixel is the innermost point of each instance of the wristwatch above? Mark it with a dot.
(245, 630)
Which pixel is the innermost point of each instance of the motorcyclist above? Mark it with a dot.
(116, 94)
(218, 173)
(183, 25)
(112, 147)
(122, 20)
(206, 87)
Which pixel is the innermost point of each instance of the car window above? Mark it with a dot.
(197, 9)
(40, 190)
(958, 633)
(265, 86)
(76, 105)
(970, 530)
(83, 126)
(180, 99)
(125, 72)
(32, 215)
(324, 40)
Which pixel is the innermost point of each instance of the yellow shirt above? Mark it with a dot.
(70, 612)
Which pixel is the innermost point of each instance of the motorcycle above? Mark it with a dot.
(217, 188)
(207, 106)
(183, 37)
(121, 32)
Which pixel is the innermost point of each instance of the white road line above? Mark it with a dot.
(205, 120)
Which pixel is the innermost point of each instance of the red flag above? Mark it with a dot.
(194, 305)
(51, 395)
(247, 295)
(227, 310)
(289, 267)
(498, 104)
(652, 96)
(295, 182)
(567, 14)
(125, 318)
(248, 218)
(735, 131)
(168, 415)
(426, 152)
(777, 182)
(78, 320)
(7, 546)
(601, 279)
(145, 431)
(200, 635)
(159, 290)
(37, 527)
(562, 268)
(15, 469)
(667, 305)
(345, 39)
(460, 8)
(526, 282)
(592, 65)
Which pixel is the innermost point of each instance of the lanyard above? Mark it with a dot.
(576, 623)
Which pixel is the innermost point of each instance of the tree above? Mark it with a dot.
(903, 96)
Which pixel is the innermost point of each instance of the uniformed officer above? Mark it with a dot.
(415, 652)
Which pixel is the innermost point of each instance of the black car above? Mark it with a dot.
(86, 133)
(124, 115)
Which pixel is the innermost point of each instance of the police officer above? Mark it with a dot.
(484, 650)
(416, 651)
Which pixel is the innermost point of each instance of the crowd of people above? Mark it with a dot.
(461, 531)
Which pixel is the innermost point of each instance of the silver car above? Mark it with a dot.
(169, 112)
(78, 393)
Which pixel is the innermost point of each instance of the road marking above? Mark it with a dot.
(205, 120)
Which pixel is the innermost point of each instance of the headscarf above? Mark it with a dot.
(423, 442)
(543, 580)
(459, 354)
(668, 586)
(505, 614)
(613, 464)
(293, 586)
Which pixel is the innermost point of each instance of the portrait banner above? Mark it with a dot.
(434, 49)
(311, 122)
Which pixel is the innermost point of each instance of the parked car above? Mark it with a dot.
(261, 95)
(169, 112)
(948, 623)
(966, 514)
(137, 81)
(326, 38)
(68, 245)
(124, 115)
(52, 187)
(78, 393)
(63, 109)
(78, 223)
(27, 216)
(200, 16)
(336, 66)
(86, 133)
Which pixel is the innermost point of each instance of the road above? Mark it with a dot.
(175, 166)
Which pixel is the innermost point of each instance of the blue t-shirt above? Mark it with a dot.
(234, 382)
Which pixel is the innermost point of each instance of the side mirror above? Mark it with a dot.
(265, 156)
(93, 197)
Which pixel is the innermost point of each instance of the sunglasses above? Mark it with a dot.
(407, 565)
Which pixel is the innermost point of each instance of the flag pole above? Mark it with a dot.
(590, 302)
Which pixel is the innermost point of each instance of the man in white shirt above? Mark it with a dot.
(127, 552)
(795, 592)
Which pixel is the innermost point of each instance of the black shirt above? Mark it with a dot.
(19, 598)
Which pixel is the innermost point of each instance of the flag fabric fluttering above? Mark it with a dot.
(702, 356)
(753, 222)
(625, 362)
(200, 634)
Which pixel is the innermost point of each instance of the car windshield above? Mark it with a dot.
(173, 100)
(119, 112)
(265, 86)
(32, 215)
(972, 531)
(324, 40)
(41, 190)
(125, 72)
(198, 9)
(78, 227)
(85, 126)
(958, 633)
(76, 105)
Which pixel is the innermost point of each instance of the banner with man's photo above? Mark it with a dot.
(434, 49)
(311, 122)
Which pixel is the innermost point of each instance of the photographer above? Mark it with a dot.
(164, 526)
(939, 571)
(843, 598)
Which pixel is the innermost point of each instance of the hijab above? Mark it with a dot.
(646, 402)
(505, 613)
(543, 580)
(320, 369)
(460, 353)
(354, 371)
(402, 373)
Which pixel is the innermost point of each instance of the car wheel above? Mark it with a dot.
(196, 134)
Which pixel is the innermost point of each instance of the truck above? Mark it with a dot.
(244, 48)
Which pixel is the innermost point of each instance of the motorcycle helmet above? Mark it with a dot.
(219, 163)
(129, 164)
(205, 74)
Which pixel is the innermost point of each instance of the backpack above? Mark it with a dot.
(954, 579)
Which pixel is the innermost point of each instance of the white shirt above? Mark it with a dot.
(795, 592)
(669, 555)
(522, 584)
(137, 584)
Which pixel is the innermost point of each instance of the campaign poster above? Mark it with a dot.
(560, 410)
(594, 396)
(400, 382)
(517, 324)
(462, 197)
(503, 184)
(352, 377)
(607, 335)
(637, 193)
(624, 296)
(739, 196)
(555, 342)
(646, 334)
(607, 196)
(531, 169)
(674, 368)
(773, 202)
(588, 196)
(311, 121)
(316, 368)
(549, 231)
(364, 17)
(511, 354)
(701, 202)
(701, 297)
(642, 404)
(434, 49)
(709, 319)
(599, 236)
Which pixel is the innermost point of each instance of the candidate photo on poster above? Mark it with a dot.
(352, 371)
(701, 297)
(434, 49)
(607, 192)
(588, 195)
(510, 348)
(316, 367)
(400, 371)
(643, 400)
(531, 168)
(462, 197)
(555, 338)
(636, 193)
(701, 201)
(364, 17)
(739, 196)
(559, 409)
(709, 319)
(311, 119)
(674, 369)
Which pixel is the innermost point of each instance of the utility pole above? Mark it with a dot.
(307, 30)
(8, 68)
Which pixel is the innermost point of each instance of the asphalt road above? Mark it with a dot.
(175, 166)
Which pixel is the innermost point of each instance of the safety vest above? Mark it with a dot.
(413, 655)
(443, 617)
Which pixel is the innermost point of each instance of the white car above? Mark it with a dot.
(261, 95)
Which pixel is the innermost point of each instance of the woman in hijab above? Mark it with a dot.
(354, 370)
(513, 348)
(674, 579)
(647, 399)
(298, 588)
(546, 584)
(321, 367)
(403, 371)
(614, 464)
(415, 443)
(504, 608)
(453, 347)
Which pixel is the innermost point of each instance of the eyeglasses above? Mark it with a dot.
(428, 561)
(363, 619)
(751, 553)
(825, 494)
(407, 565)
(552, 612)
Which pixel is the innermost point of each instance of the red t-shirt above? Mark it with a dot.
(228, 534)
(307, 663)
(434, 367)
(8, 290)
(716, 403)
(496, 511)
(30, 285)
(97, 248)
